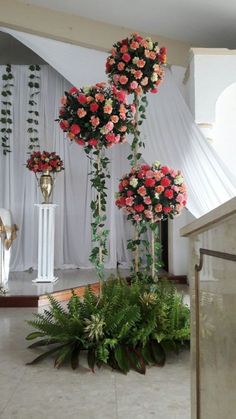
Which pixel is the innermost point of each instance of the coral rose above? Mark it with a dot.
(75, 129)
(94, 107)
(142, 191)
(139, 208)
(123, 79)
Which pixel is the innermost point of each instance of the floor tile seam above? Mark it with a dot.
(13, 391)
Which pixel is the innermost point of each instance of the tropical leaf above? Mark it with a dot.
(45, 355)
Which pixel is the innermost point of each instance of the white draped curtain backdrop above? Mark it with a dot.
(170, 134)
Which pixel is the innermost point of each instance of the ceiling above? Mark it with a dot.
(206, 23)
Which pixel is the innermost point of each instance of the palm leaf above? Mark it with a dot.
(45, 354)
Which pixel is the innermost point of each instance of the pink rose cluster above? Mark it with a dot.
(96, 116)
(39, 162)
(151, 193)
(135, 64)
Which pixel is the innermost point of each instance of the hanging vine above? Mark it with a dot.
(33, 113)
(6, 109)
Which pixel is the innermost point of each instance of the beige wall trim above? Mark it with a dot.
(78, 30)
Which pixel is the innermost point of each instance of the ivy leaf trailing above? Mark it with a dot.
(6, 109)
(33, 113)
(98, 176)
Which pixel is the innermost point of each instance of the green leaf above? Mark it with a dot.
(46, 354)
(158, 353)
(121, 359)
(34, 335)
(136, 360)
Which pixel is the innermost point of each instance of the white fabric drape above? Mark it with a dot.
(172, 136)
(72, 192)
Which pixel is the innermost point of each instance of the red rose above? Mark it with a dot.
(130, 193)
(169, 193)
(108, 67)
(165, 182)
(155, 90)
(165, 170)
(73, 90)
(120, 187)
(110, 137)
(150, 182)
(166, 210)
(82, 98)
(126, 57)
(75, 129)
(93, 142)
(94, 107)
(139, 208)
(145, 167)
(121, 96)
(141, 174)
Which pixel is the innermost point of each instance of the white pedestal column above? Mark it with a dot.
(4, 262)
(46, 243)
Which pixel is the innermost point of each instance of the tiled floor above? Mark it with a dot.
(42, 392)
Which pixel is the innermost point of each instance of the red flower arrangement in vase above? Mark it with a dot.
(151, 193)
(135, 64)
(47, 164)
(41, 162)
(96, 116)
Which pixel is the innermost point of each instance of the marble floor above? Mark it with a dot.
(42, 392)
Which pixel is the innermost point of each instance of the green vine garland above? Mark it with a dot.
(6, 110)
(99, 174)
(33, 113)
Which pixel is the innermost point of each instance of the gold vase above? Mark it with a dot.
(46, 185)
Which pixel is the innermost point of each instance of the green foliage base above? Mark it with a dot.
(127, 327)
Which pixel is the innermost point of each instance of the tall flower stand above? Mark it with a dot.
(46, 243)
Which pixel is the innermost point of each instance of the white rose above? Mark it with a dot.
(133, 182)
(178, 180)
(156, 164)
(135, 60)
(150, 45)
(154, 77)
(156, 195)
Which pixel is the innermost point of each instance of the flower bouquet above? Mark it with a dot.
(151, 193)
(135, 64)
(96, 116)
(47, 164)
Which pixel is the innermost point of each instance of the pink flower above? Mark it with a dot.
(93, 107)
(158, 208)
(158, 175)
(149, 174)
(180, 198)
(117, 138)
(141, 63)
(121, 96)
(134, 45)
(129, 201)
(123, 79)
(81, 112)
(114, 119)
(138, 74)
(142, 191)
(133, 85)
(107, 108)
(63, 100)
(109, 126)
(121, 66)
(137, 217)
(159, 189)
(123, 128)
(148, 214)
(95, 121)
(155, 90)
(100, 97)
(147, 200)
(126, 57)
(124, 49)
(133, 108)
(75, 129)
(116, 78)
(130, 193)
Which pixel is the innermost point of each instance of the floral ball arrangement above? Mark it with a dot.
(135, 64)
(151, 193)
(40, 162)
(96, 116)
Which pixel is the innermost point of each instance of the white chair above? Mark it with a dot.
(7, 234)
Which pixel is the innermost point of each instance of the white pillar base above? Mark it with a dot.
(46, 243)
